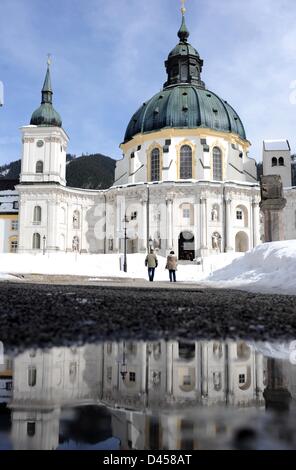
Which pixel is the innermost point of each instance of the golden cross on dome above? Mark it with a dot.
(183, 9)
(48, 59)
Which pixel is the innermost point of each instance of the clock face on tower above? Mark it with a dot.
(40, 143)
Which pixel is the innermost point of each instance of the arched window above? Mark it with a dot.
(37, 215)
(36, 241)
(217, 164)
(155, 165)
(185, 162)
(281, 161)
(274, 161)
(39, 167)
(76, 219)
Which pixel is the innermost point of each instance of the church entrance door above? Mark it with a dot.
(186, 246)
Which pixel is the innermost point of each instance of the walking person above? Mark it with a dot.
(151, 262)
(171, 265)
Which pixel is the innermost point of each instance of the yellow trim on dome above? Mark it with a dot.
(167, 133)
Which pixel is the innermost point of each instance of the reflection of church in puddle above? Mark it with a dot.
(126, 381)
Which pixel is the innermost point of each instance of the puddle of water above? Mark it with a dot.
(160, 395)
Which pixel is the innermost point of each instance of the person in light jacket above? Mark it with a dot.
(151, 262)
(171, 265)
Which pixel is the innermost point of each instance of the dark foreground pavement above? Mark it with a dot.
(48, 315)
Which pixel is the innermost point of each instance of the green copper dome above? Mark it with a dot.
(46, 115)
(185, 106)
(184, 101)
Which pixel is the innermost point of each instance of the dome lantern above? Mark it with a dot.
(184, 64)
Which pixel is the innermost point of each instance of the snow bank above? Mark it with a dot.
(270, 267)
(106, 266)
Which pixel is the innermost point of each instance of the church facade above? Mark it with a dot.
(185, 181)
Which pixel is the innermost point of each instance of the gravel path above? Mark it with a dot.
(47, 315)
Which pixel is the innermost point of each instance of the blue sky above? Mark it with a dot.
(108, 58)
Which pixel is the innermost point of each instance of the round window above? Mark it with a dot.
(40, 143)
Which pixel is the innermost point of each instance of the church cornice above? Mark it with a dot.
(140, 139)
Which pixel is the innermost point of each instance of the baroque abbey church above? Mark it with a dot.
(185, 182)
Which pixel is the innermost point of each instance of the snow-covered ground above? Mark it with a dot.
(270, 267)
(104, 266)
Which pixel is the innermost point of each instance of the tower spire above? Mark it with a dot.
(46, 115)
(183, 32)
(47, 88)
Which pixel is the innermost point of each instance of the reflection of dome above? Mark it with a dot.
(46, 115)
(185, 102)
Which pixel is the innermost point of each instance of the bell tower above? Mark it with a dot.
(44, 142)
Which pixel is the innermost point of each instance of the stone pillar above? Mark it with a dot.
(197, 240)
(170, 243)
(144, 246)
(204, 369)
(256, 220)
(169, 371)
(51, 235)
(272, 205)
(204, 226)
(228, 224)
(259, 375)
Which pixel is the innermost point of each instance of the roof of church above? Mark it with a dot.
(46, 115)
(184, 101)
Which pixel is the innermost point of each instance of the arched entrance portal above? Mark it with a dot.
(186, 246)
(241, 242)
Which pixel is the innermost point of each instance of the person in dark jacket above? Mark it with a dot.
(171, 265)
(151, 262)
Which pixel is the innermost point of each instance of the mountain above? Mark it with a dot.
(88, 171)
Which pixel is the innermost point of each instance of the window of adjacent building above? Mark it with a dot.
(281, 161)
(109, 374)
(32, 376)
(76, 219)
(13, 246)
(14, 225)
(39, 167)
(186, 213)
(109, 348)
(185, 162)
(110, 244)
(31, 428)
(155, 165)
(37, 215)
(242, 378)
(15, 205)
(274, 161)
(239, 215)
(36, 241)
(217, 164)
(132, 376)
